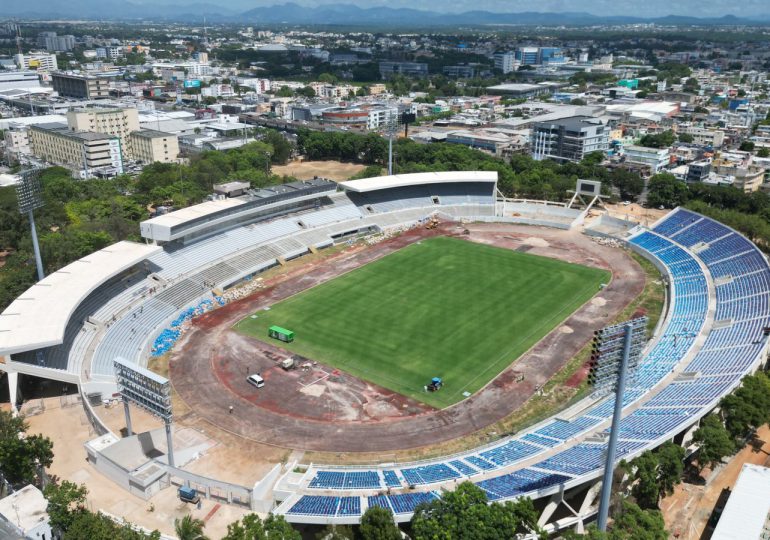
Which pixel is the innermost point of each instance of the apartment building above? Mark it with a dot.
(149, 146)
(714, 138)
(117, 122)
(506, 62)
(82, 152)
(50, 41)
(569, 139)
(654, 158)
(80, 86)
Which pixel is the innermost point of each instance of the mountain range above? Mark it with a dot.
(330, 14)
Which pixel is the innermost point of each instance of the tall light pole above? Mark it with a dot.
(28, 193)
(615, 355)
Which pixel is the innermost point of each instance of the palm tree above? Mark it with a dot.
(189, 528)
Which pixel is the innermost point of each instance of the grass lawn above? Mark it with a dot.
(443, 307)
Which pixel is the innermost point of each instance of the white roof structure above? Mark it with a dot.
(746, 513)
(27, 510)
(38, 318)
(402, 180)
(192, 212)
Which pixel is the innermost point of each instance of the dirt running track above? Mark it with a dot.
(322, 409)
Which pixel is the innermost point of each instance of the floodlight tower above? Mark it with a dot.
(28, 193)
(391, 129)
(615, 356)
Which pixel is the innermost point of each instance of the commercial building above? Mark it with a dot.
(409, 69)
(82, 152)
(52, 42)
(365, 116)
(460, 72)
(528, 56)
(551, 56)
(80, 85)
(149, 146)
(118, 122)
(506, 62)
(714, 138)
(494, 143)
(19, 80)
(38, 61)
(111, 52)
(654, 158)
(569, 139)
(521, 90)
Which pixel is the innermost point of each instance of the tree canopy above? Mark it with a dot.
(465, 514)
(21, 454)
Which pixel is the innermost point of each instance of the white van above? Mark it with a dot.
(256, 380)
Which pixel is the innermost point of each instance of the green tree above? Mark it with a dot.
(748, 407)
(665, 190)
(465, 514)
(21, 454)
(645, 489)
(284, 91)
(746, 146)
(281, 147)
(65, 501)
(189, 528)
(670, 466)
(634, 523)
(763, 152)
(713, 440)
(336, 532)
(277, 528)
(91, 526)
(253, 528)
(659, 140)
(685, 138)
(377, 524)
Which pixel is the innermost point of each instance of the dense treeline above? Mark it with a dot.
(522, 177)
(80, 217)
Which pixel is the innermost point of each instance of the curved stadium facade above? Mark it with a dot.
(118, 301)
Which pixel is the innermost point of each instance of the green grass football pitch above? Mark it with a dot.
(442, 307)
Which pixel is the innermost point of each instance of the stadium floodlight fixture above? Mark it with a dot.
(147, 390)
(617, 350)
(29, 195)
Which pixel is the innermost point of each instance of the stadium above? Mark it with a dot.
(435, 276)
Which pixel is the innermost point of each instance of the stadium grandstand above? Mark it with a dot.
(124, 300)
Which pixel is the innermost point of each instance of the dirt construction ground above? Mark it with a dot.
(333, 170)
(322, 409)
(687, 511)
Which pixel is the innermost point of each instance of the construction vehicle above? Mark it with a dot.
(288, 364)
(188, 495)
(435, 384)
(432, 223)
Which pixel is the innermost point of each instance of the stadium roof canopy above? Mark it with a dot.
(184, 215)
(403, 180)
(38, 317)
(746, 512)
